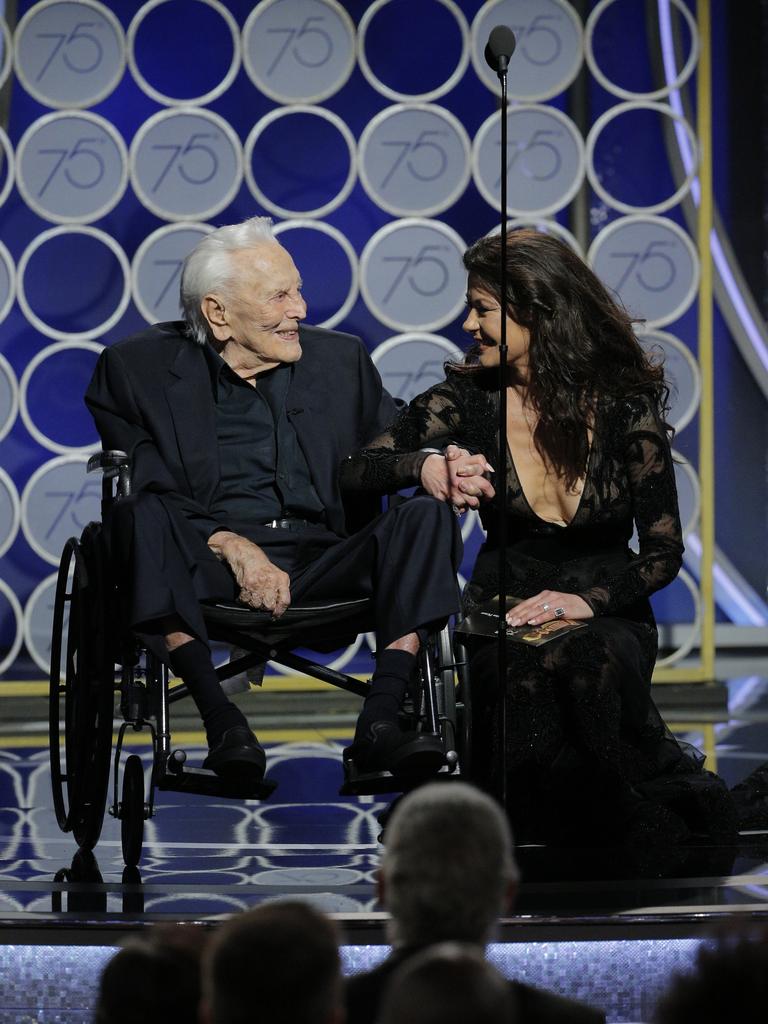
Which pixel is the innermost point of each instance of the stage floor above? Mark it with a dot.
(605, 926)
(203, 858)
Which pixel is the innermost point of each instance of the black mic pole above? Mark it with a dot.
(500, 47)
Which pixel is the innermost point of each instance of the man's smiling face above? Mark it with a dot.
(261, 312)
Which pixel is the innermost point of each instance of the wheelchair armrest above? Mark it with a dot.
(112, 464)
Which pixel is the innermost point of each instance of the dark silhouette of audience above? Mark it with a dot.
(451, 983)
(277, 963)
(728, 983)
(448, 873)
(153, 979)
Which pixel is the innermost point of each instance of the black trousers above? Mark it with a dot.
(406, 560)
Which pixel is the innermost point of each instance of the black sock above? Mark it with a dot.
(388, 685)
(192, 661)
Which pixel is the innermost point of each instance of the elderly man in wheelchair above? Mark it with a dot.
(235, 421)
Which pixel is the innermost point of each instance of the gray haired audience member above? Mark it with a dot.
(449, 983)
(447, 874)
(728, 983)
(277, 963)
(154, 979)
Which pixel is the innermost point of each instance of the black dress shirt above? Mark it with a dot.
(263, 472)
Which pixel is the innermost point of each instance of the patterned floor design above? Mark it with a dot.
(604, 926)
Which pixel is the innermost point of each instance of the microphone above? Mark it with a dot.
(499, 48)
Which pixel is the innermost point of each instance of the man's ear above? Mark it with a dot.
(212, 308)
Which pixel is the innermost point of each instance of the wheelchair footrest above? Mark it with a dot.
(207, 783)
(374, 783)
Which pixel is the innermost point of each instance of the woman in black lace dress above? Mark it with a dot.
(587, 754)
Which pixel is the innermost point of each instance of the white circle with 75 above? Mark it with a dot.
(412, 276)
(302, 52)
(156, 268)
(650, 264)
(410, 363)
(69, 53)
(58, 501)
(186, 164)
(71, 166)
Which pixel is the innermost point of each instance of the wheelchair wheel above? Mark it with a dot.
(133, 895)
(81, 694)
(132, 811)
(464, 733)
(446, 682)
(87, 893)
(446, 677)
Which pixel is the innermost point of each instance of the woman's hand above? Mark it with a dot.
(548, 605)
(468, 484)
(434, 477)
(457, 477)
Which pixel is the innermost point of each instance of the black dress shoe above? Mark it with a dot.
(238, 756)
(385, 747)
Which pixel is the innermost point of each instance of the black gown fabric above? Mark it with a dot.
(587, 755)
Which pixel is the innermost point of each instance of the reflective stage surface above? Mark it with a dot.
(607, 926)
(204, 857)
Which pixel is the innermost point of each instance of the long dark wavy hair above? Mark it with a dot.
(582, 349)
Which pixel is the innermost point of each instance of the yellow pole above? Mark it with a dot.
(706, 357)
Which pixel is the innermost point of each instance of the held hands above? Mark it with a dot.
(262, 584)
(457, 477)
(548, 605)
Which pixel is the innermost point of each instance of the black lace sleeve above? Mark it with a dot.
(393, 459)
(650, 475)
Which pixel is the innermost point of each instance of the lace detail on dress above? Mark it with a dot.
(381, 470)
(443, 414)
(644, 456)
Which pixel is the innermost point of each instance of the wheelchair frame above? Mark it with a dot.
(87, 681)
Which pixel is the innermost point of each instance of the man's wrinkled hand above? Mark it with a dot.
(434, 477)
(262, 584)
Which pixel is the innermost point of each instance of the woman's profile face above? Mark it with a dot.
(483, 322)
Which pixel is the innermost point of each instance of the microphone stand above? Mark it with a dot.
(501, 476)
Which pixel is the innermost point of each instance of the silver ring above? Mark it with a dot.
(559, 613)
(458, 510)
(545, 607)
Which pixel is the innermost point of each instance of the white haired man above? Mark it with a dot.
(447, 874)
(236, 420)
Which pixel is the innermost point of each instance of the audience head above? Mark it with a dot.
(728, 983)
(278, 963)
(447, 984)
(153, 980)
(448, 870)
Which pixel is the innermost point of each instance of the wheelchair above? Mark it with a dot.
(96, 664)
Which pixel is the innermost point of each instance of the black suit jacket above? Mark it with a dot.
(151, 397)
(532, 1005)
